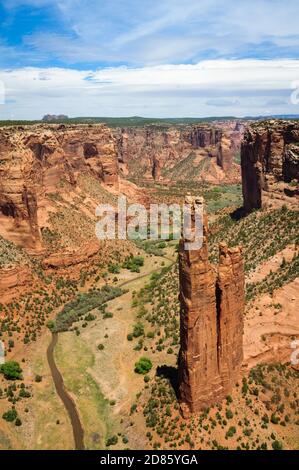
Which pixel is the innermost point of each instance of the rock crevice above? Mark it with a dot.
(211, 331)
(270, 164)
(34, 160)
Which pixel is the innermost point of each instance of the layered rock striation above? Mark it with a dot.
(211, 323)
(270, 163)
(204, 152)
(34, 161)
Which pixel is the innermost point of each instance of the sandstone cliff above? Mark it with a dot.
(211, 328)
(199, 152)
(270, 164)
(35, 162)
(230, 295)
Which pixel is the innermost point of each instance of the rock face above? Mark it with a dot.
(33, 162)
(230, 300)
(211, 315)
(15, 281)
(202, 152)
(270, 163)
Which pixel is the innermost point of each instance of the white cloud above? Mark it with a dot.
(240, 86)
(162, 31)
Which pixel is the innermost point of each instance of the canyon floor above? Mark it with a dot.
(121, 409)
(94, 326)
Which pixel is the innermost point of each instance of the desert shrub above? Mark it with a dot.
(143, 366)
(138, 330)
(11, 370)
(133, 263)
(232, 430)
(111, 441)
(10, 415)
(277, 445)
(114, 269)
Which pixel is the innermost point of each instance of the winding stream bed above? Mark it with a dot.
(63, 394)
(67, 400)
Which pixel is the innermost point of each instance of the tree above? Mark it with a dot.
(143, 366)
(11, 370)
(111, 441)
(277, 445)
(51, 325)
(232, 430)
(138, 330)
(10, 415)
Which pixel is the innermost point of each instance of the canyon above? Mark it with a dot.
(203, 152)
(35, 161)
(237, 305)
(41, 166)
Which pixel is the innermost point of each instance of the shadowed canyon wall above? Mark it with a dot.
(211, 323)
(270, 164)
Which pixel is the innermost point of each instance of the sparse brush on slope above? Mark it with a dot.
(286, 273)
(11, 254)
(262, 234)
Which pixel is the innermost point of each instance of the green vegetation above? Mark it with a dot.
(251, 409)
(11, 254)
(158, 307)
(186, 169)
(143, 366)
(253, 233)
(277, 445)
(133, 263)
(10, 415)
(82, 305)
(151, 247)
(11, 370)
(111, 441)
(216, 196)
(131, 121)
(286, 273)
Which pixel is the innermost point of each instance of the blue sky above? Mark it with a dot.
(88, 57)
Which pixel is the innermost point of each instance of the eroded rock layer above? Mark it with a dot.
(200, 152)
(211, 323)
(270, 163)
(34, 160)
(230, 299)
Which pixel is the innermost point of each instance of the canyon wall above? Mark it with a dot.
(211, 322)
(35, 160)
(204, 152)
(270, 164)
